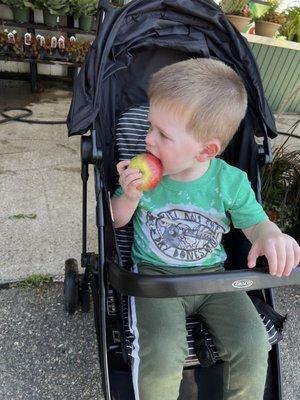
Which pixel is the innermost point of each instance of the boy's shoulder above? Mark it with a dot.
(224, 168)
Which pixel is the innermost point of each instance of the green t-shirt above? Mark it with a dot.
(181, 224)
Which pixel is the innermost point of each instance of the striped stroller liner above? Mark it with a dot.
(131, 130)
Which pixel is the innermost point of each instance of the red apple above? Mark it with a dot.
(151, 168)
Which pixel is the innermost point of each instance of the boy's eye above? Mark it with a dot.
(163, 135)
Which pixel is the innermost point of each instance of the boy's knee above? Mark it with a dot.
(249, 345)
(257, 346)
(165, 355)
(254, 347)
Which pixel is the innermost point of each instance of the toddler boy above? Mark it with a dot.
(196, 107)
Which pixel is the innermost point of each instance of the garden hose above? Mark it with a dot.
(25, 113)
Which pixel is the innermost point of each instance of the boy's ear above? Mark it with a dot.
(209, 150)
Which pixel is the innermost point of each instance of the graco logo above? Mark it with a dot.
(242, 283)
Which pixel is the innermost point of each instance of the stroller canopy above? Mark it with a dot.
(135, 41)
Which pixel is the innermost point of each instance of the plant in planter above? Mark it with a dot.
(270, 22)
(52, 9)
(84, 10)
(77, 49)
(20, 9)
(237, 11)
(3, 43)
(281, 190)
(291, 27)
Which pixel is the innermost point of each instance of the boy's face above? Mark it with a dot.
(168, 140)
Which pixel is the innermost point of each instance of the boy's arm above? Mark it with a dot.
(123, 209)
(124, 206)
(281, 250)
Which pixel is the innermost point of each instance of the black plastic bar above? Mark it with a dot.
(101, 281)
(84, 177)
(161, 286)
(85, 147)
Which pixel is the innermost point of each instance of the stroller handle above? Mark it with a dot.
(162, 286)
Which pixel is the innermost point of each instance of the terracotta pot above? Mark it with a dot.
(238, 21)
(264, 28)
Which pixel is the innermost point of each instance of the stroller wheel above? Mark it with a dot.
(71, 286)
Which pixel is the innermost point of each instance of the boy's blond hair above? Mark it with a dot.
(208, 93)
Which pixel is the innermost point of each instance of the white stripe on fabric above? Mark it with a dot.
(271, 337)
(138, 123)
(134, 115)
(131, 129)
(135, 343)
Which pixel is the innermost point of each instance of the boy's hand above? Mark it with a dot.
(281, 250)
(129, 180)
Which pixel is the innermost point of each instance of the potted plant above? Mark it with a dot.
(84, 10)
(77, 49)
(3, 43)
(237, 11)
(269, 22)
(20, 9)
(52, 9)
(291, 27)
(281, 189)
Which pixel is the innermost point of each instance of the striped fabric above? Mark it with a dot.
(131, 131)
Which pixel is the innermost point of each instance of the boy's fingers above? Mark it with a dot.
(296, 249)
(253, 254)
(121, 166)
(290, 260)
(131, 177)
(281, 253)
(272, 259)
(133, 190)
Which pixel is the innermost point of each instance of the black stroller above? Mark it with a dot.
(110, 101)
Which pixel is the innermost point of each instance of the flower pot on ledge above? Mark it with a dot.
(50, 19)
(265, 28)
(86, 22)
(238, 21)
(21, 14)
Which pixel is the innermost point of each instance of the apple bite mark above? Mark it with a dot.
(151, 169)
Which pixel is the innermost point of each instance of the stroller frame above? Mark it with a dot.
(101, 271)
(129, 283)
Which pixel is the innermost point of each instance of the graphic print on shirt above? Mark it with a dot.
(183, 234)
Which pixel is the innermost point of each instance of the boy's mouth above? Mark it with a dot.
(150, 152)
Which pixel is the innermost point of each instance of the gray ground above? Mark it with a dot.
(46, 354)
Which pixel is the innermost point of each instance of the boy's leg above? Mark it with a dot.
(242, 342)
(159, 347)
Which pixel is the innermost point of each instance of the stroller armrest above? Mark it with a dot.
(160, 286)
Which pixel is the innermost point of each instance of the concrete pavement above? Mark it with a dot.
(40, 188)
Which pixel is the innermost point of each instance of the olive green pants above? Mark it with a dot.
(160, 343)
